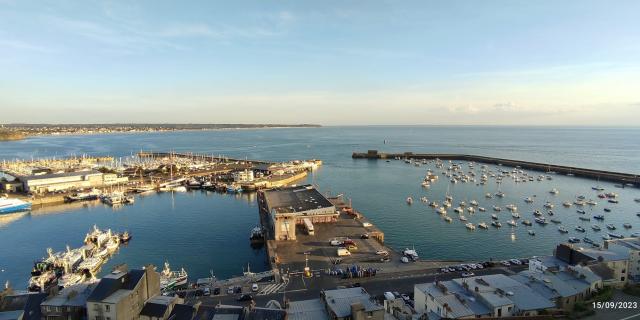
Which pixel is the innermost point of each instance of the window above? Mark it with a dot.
(622, 279)
(107, 308)
(624, 270)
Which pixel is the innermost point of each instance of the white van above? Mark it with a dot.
(343, 252)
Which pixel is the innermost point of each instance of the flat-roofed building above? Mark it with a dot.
(628, 247)
(351, 304)
(51, 182)
(288, 207)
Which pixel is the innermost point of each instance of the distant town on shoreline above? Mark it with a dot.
(17, 131)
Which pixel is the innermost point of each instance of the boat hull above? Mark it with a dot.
(16, 208)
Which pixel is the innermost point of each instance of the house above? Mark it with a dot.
(629, 247)
(159, 307)
(19, 306)
(69, 304)
(122, 295)
(351, 303)
(313, 309)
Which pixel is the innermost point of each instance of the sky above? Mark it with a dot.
(508, 62)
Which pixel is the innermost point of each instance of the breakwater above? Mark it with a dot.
(625, 178)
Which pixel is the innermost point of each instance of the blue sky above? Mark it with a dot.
(328, 62)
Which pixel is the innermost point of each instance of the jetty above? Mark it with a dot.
(625, 178)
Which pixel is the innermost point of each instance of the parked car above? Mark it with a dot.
(230, 290)
(206, 291)
(405, 297)
(382, 252)
(238, 289)
(216, 291)
(245, 297)
(364, 236)
(254, 287)
(505, 263)
(468, 274)
(336, 242)
(515, 261)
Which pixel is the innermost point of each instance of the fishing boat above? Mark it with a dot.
(125, 237)
(482, 209)
(611, 227)
(562, 229)
(171, 279)
(83, 196)
(90, 265)
(512, 223)
(627, 225)
(483, 225)
(470, 226)
(581, 211)
(587, 240)
(496, 224)
(411, 254)
(10, 205)
(580, 229)
(257, 235)
(596, 227)
(598, 217)
(447, 219)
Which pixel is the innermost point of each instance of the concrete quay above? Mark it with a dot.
(624, 178)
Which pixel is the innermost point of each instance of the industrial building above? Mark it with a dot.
(52, 182)
(286, 208)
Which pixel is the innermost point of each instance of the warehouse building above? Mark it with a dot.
(52, 182)
(288, 207)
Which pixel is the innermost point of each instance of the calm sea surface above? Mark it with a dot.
(206, 232)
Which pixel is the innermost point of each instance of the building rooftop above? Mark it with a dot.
(75, 295)
(339, 301)
(157, 306)
(59, 175)
(606, 254)
(108, 287)
(307, 310)
(295, 199)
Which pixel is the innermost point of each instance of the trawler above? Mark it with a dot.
(171, 279)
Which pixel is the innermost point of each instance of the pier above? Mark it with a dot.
(623, 178)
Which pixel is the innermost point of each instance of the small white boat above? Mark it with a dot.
(462, 218)
(596, 227)
(528, 200)
(563, 229)
(531, 232)
(496, 208)
(483, 225)
(580, 229)
(470, 226)
(512, 223)
(627, 225)
(447, 219)
(409, 200)
(482, 209)
(548, 205)
(554, 191)
(567, 204)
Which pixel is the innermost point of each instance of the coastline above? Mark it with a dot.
(24, 136)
